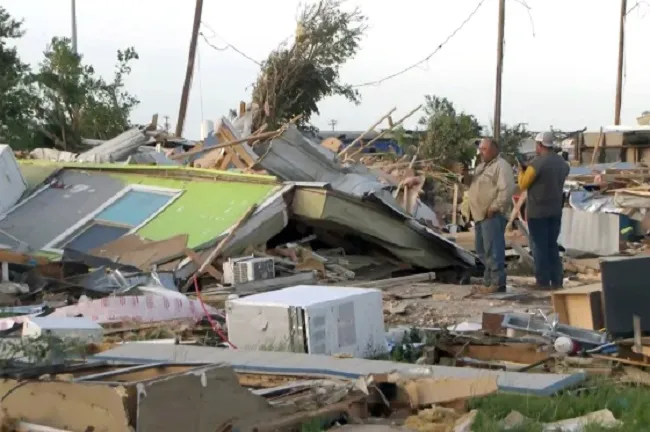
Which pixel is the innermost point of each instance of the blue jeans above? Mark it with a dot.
(490, 245)
(544, 232)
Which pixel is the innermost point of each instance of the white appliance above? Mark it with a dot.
(12, 182)
(309, 319)
(247, 269)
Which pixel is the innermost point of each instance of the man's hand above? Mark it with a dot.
(491, 212)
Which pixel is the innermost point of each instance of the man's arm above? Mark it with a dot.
(505, 188)
(526, 177)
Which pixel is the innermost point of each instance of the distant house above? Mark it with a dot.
(527, 147)
(385, 144)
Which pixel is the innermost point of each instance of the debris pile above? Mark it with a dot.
(288, 279)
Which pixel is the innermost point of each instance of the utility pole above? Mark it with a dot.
(333, 123)
(497, 96)
(166, 124)
(74, 26)
(619, 72)
(190, 68)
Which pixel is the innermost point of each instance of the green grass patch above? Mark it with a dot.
(631, 405)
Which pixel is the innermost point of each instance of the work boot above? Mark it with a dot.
(486, 289)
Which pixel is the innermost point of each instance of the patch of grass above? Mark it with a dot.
(628, 404)
(314, 425)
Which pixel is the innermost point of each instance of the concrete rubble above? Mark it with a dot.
(276, 279)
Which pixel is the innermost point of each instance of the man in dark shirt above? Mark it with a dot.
(544, 180)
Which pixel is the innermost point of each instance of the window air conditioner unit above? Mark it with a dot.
(248, 269)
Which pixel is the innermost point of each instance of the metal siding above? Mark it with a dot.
(305, 364)
(134, 207)
(48, 214)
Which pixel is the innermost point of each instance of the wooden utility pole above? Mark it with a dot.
(497, 96)
(73, 5)
(619, 72)
(190, 68)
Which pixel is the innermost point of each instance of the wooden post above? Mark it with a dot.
(497, 96)
(190, 68)
(619, 72)
(594, 155)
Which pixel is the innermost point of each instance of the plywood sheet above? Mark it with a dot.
(141, 253)
(65, 405)
(210, 399)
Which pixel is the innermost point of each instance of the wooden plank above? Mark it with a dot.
(243, 155)
(224, 134)
(235, 160)
(517, 353)
(225, 162)
(12, 257)
(466, 239)
(196, 259)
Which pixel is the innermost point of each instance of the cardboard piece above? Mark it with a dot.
(580, 307)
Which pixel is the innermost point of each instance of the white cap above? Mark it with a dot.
(545, 138)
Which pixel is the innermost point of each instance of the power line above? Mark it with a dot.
(428, 57)
(228, 45)
(637, 5)
(530, 15)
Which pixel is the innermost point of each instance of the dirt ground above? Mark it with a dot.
(433, 304)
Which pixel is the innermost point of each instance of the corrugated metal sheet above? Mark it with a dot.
(115, 149)
(293, 157)
(319, 365)
(591, 233)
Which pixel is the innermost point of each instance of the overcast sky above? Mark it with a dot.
(559, 70)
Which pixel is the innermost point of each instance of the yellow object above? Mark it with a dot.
(526, 178)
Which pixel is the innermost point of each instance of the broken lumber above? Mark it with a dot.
(385, 283)
(516, 210)
(384, 132)
(370, 129)
(261, 136)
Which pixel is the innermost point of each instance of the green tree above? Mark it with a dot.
(16, 99)
(406, 140)
(449, 135)
(294, 78)
(74, 102)
(511, 140)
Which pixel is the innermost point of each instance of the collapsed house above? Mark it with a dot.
(84, 209)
